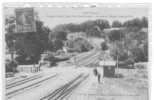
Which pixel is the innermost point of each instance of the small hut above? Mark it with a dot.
(108, 68)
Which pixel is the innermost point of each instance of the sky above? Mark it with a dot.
(52, 16)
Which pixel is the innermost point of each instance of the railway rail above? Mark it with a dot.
(91, 58)
(14, 92)
(13, 80)
(20, 82)
(85, 55)
(63, 91)
(58, 94)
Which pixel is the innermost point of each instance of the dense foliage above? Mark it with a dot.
(116, 24)
(130, 42)
(79, 45)
(29, 46)
(11, 66)
(91, 28)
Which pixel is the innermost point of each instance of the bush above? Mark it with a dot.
(25, 60)
(29, 45)
(116, 24)
(140, 65)
(50, 57)
(118, 50)
(58, 44)
(140, 55)
(11, 66)
(116, 35)
(79, 45)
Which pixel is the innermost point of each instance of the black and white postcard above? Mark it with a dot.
(76, 51)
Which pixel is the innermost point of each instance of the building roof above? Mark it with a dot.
(74, 35)
(107, 63)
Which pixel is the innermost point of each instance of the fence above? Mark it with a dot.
(28, 68)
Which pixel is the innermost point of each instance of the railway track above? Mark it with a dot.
(90, 60)
(85, 55)
(13, 80)
(10, 93)
(20, 82)
(65, 90)
(60, 93)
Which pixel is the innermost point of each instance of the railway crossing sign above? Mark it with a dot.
(25, 21)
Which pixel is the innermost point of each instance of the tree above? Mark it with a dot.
(145, 22)
(116, 24)
(87, 25)
(11, 66)
(51, 58)
(91, 27)
(133, 45)
(60, 35)
(10, 24)
(94, 31)
(10, 28)
(57, 44)
(33, 44)
(73, 27)
(56, 40)
(29, 45)
(118, 50)
(79, 45)
(116, 35)
(102, 24)
(140, 52)
(61, 27)
(136, 24)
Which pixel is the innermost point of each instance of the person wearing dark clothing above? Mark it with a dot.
(99, 77)
(96, 73)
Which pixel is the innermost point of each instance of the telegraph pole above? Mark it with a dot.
(13, 50)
